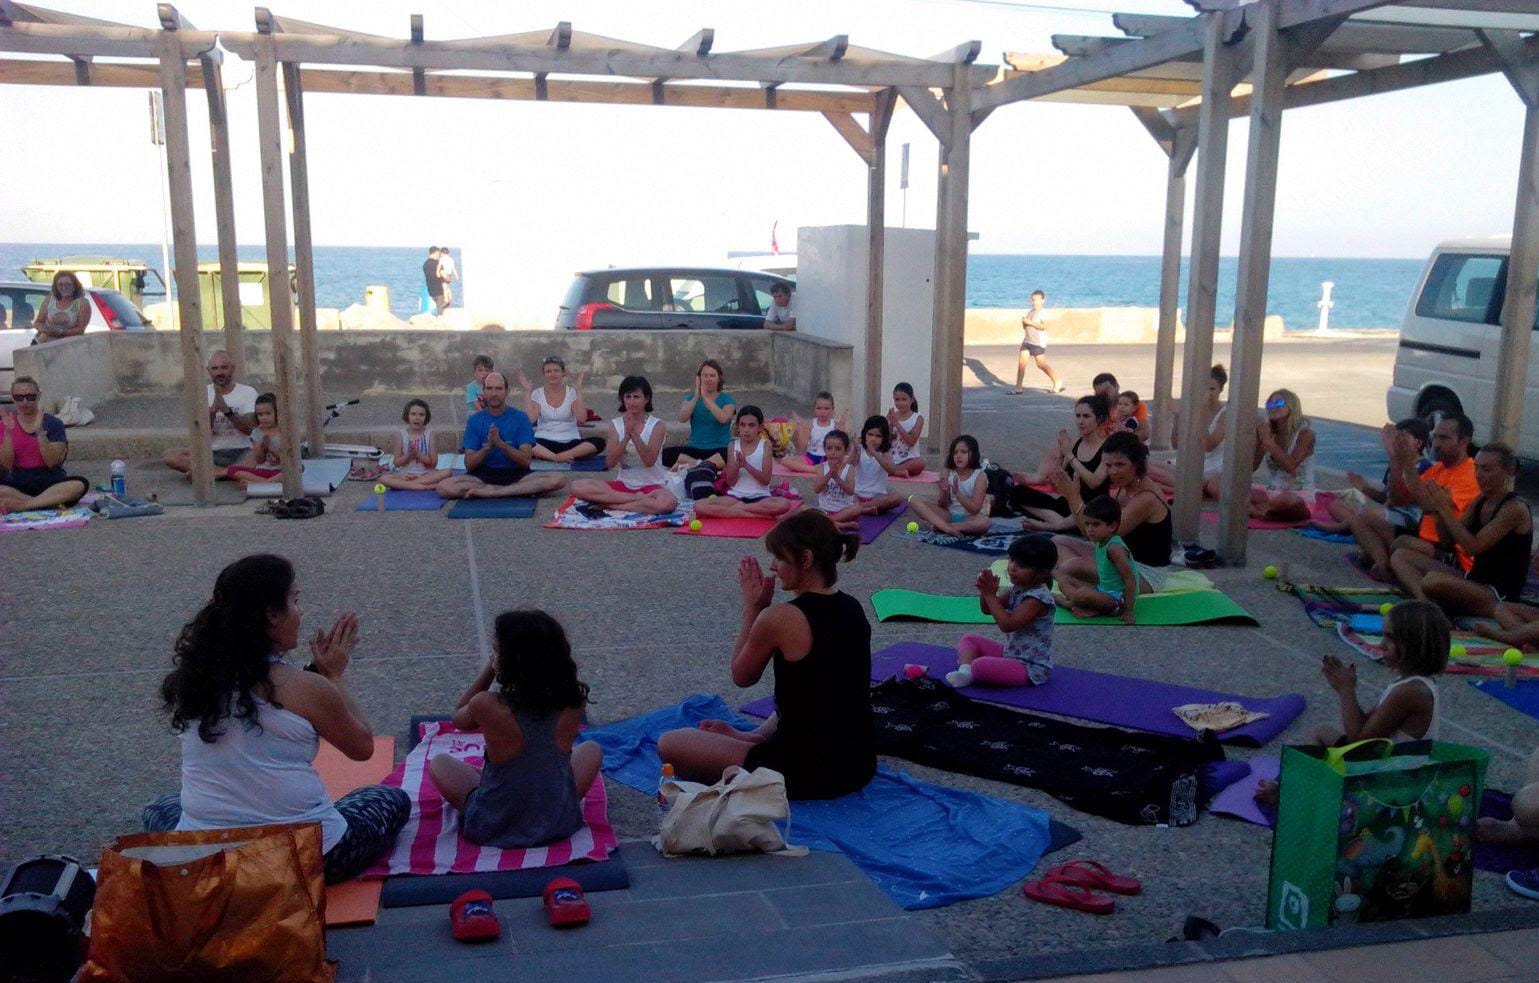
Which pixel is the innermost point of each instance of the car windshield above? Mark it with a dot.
(127, 314)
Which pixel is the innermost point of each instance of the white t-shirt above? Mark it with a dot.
(446, 268)
(1036, 328)
(779, 315)
(834, 498)
(555, 422)
(225, 434)
(635, 476)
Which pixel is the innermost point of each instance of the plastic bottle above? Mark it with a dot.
(662, 800)
(120, 477)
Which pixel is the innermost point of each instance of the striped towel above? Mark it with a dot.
(431, 842)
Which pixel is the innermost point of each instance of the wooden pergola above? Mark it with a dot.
(1183, 78)
(831, 77)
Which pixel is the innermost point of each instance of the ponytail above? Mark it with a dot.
(813, 532)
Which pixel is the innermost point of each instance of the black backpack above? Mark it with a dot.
(1001, 484)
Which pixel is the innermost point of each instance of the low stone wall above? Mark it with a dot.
(1080, 326)
(110, 364)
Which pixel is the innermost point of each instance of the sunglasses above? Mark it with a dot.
(553, 360)
(1277, 404)
(24, 397)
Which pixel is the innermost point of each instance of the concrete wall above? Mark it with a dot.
(355, 363)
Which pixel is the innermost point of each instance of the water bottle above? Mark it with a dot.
(119, 478)
(662, 800)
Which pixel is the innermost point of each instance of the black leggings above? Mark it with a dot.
(671, 454)
(561, 446)
(374, 814)
(1023, 497)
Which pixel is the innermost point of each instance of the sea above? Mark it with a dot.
(1368, 294)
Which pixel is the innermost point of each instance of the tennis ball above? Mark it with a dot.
(912, 527)
(695, 525)
(379, 489)
(1385, 608)
(1458, 650)
(1512, 657)
(1269, 572)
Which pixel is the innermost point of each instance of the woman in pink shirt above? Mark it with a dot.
(33, 447)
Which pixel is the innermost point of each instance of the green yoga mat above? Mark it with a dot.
(1203, 607)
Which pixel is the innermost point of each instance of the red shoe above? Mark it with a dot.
(1096, 876)
(471, 918)
(1067, 894)
(565, 905)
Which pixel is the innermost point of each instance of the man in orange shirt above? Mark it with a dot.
(1453, 469)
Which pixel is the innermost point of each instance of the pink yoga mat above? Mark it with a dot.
(745, 528)
(1317, 513)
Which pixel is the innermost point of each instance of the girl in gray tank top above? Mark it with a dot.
(530, 788)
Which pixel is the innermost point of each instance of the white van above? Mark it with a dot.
(1450, 341)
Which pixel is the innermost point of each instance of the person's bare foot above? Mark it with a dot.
(1504, 831)
(1381, 574)
(1082, 612)
(1267, 792)
(719, 727)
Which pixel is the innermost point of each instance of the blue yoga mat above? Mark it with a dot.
(399, 500)
(1524, 697)
(1326, 537)
(918, 841)
(493, 508)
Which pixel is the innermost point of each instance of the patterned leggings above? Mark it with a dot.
(374, 814)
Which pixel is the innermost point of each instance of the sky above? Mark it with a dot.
(1384, 176)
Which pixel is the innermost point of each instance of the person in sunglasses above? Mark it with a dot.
(1285, 447)
(33, 446)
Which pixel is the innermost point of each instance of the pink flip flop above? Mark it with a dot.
(1097, 876)
(1067, 894)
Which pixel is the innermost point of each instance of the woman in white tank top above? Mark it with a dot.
(635, 446)
(557, 410)
(747, 475)
(1285, 445)
(248, 753)
(415, 464)
(65, 313)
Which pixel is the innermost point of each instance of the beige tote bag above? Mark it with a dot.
(736, 815)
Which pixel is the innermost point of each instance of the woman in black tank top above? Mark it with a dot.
(1492, 538)
(1146, 523)
(1080, 462)
(820, 736)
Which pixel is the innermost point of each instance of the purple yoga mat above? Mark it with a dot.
(1496, 857)
(871, 526)
(1123, 701)
(1239, 799)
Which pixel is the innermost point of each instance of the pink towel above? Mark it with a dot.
(431, 842)
(1317, 513)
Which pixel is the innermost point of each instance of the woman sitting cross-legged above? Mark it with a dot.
(251, 723)
(557, 410)
(635, 435)
(1077, 457)
(747, 475)
(1285, 445)
(820, 736)
(1145, 523)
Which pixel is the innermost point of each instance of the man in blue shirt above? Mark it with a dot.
(497, 444)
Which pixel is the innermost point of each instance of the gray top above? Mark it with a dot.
(529, 800)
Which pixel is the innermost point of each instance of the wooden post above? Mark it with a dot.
(1218, 78)
(1184, 144)
(1268, 77)
(937, 395)
(184, 244)
(945, 420)
(270, 140)
(304, 262)
(876, 248)
(224, 214)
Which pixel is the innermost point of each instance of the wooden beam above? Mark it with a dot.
(184, 244)
(224, 214)
(304, 262)
(1158, 126)
(99, 42)
(82, 70)
(1269, 71)
(928, 109)
(870, 394)
(1518, 64)
(1292, 13)
(1170, 290)
(854, 134)
(1352, 36)
(1190, 66)
(833, 49)
(700, 42)
(951, 267)
(1222, 63)
(270, 142)
(966, 53)
(418, 76)
(561, 37)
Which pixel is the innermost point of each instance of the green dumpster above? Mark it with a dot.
(255, 296)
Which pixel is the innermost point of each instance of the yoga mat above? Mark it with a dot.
(1239, 799)
(925, 477)
(594, 463)
(872, 526)
(1317, 513)
(354, 902)
(1123, 701)
(920, 843)
(1178, 580)
(569, 515)
(734, 528)
(404, 500)
(1498, 858)
(411, 892)
(42, 519)
(1524, 697)
(322, 476)
(1326, 537)
(1184, 608)
(493, 508)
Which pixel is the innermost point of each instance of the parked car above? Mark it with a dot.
(20, 300)
(662, 298)
(1450, 341)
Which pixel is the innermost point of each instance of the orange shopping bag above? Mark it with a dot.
(235, 905)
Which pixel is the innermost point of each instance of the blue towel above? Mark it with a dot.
(1524, 697)
(404, 500)
(1325, 537)
(493, 508)
(924, 845)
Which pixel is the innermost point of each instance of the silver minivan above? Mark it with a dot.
(1450, 340)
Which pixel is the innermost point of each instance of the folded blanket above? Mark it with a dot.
(44, 519)
(577, 514)
(1217, 716)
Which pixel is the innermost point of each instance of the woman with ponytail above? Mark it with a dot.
(819, 642)
(251, 723)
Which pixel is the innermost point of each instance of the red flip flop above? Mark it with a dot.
(1097, 876)
(1067, 894)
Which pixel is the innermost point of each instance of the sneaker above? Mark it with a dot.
(959, 678)
(1524, 882)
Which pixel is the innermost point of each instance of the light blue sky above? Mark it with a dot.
(1384, 176)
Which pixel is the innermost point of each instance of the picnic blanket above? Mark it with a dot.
(42, 519)
(431, 842)
(918, 841)
(1192, 607)
(1470, 654)
(1318, 512)
(1135, 778)
(989, 544)
(576, 514)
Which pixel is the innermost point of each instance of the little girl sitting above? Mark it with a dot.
(416, 462)
(961, 507)
(1024, 613)
(531, 786)
(835, 482)
(907, 426)
(264, 462)
(809, 436)
(872, 466)
(747, 475)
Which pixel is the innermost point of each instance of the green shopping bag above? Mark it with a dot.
(1374, 831)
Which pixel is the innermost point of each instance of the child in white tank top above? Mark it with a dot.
(747, 475)
(907, 426)
(961, 507)
(835, 482)
(810, 436)
(415, 465)
(873, 466)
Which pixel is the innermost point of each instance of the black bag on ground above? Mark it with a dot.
(1000, 485)
(700, 482)
(1125, 775)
